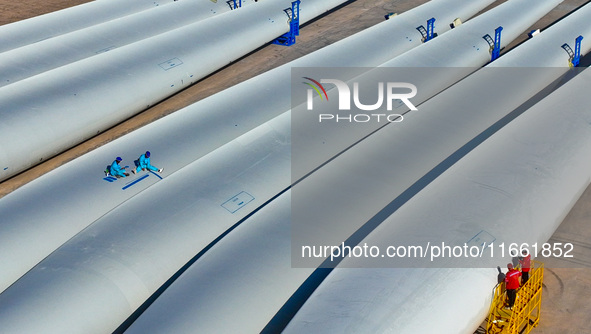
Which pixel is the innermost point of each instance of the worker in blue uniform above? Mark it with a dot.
(143, 163)
(116, 170)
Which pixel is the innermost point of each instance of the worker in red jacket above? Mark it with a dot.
(512, 283)
(525, 263)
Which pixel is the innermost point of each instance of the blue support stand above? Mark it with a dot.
(430, 26)
(289, 38)
(237, 4)
(427, 33)
(574, 57)
(577, 56)
(497, 46)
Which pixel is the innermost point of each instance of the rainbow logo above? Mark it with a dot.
(316, 88)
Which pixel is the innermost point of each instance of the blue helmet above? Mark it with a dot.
(147, 154)
(118, 159)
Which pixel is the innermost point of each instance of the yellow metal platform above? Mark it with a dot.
(525, 314)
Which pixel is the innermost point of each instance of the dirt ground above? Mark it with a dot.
(12, 11)
(566, 295)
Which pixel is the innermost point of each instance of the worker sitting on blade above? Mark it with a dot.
(143, 163)
(116, 170)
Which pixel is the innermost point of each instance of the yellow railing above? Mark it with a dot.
(525, 314)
